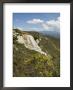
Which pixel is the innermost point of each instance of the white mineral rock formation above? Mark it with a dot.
(30, 43)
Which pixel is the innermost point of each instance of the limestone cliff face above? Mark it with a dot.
(29, 42)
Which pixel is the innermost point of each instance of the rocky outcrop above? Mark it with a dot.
(29, 42)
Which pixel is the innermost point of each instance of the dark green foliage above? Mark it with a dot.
(36, 35)
(29, 63)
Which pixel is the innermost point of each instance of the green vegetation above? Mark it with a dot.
(29, 63)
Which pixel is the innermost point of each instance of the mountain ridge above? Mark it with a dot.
(30, 63)
(29, 42)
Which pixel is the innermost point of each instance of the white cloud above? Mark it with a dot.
(35, 21)
(46, 25)
(54, 23)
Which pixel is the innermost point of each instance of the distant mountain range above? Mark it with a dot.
(51, 33)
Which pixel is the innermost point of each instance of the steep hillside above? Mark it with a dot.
(35, 56)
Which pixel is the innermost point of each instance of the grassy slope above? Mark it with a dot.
(31, 63)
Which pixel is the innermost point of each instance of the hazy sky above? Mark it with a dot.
(36, 21)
